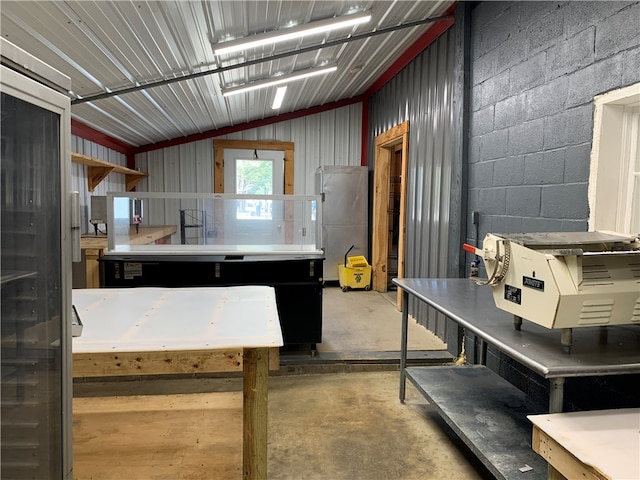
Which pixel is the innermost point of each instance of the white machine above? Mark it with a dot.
(564, 280)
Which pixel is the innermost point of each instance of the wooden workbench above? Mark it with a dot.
(94, 246)
(601, 444)
(144, 331)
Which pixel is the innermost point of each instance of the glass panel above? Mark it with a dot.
(210, 223)
(31, 434)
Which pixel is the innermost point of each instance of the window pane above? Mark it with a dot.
(254, 177)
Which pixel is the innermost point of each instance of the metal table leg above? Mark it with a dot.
(483, 352)
(556, 394)
(403, 343)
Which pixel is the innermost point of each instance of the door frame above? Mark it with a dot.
(218, 159)
(385, 146)
(219, 147)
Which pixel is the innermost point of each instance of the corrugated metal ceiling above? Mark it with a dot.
(107, 46)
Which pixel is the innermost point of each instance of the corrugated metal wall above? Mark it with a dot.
(422, 93)
(329, 138)
(113, 183)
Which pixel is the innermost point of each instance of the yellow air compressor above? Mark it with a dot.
(355, 274)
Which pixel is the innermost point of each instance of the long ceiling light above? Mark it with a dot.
(285, 34)
(279, 97)
(248, 87)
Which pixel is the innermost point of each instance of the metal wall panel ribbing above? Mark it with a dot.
(422, 93)
(113, 183)
(328, 138)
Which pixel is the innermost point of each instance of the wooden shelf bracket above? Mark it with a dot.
(97, 171)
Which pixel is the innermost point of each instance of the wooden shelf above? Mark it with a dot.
(97, 171)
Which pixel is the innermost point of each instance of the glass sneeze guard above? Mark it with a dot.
(225, 224)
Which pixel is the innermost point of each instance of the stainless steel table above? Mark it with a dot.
(596, 351)
(487, 412)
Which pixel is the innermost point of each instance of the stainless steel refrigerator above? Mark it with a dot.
(345, 206)
(35, 265)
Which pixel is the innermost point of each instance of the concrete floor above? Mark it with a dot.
(329, 426)
(368, 321)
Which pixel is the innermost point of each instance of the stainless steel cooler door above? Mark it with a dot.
(344, 214)
(35, 429)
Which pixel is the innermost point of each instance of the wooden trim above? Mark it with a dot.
(253, 144)
(219, 147)
(385, 143)
(288, 170)
(392, 136)
(218, 169)
(379, 251)
(162, 363)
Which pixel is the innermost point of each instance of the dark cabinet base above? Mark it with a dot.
(297, 282)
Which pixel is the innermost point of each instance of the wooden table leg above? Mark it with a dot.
(92, 267)
(554, 453)
(254, 452)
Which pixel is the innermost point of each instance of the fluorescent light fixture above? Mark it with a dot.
(277, 100)
(290, 33)
(248, 87)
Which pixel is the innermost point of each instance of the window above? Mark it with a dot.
(254, 177)
(614, 183)
(253, 172)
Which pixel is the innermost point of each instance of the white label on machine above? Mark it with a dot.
(132, 270)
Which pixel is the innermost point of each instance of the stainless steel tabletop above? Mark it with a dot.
(611, 350)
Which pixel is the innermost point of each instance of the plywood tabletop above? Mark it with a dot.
(174, 319)
(607, 441)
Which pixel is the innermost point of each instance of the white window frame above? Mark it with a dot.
(614, 165)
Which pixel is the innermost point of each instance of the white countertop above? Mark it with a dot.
(213, 249)
(168, 319)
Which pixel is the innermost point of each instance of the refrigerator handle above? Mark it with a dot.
(76, 255)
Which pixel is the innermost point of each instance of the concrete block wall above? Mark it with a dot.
(535, 68)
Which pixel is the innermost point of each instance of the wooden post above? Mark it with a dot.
(255, 374)
(92, 267)
(553, 452)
